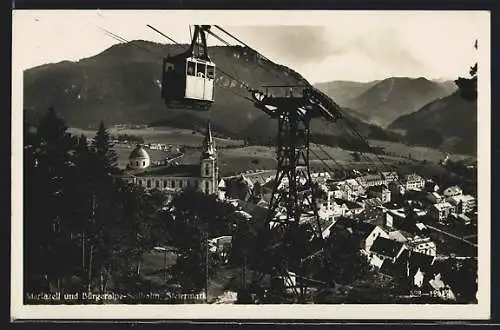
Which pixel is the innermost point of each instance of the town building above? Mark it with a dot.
(349, 189)
(371, 203)
(413, 181)
(380, 191)
(461, 219)
(385, 250)
(390, 177)
(440, 211)
(174, 178)
(369, 233)
(423, 245)
(462, 203)
(370, 180)
(396, 189)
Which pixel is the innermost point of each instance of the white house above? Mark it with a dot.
(369, 239)
(418, 278)
(423, 245)
(462, 203)
(384, 249)
(440, 211)
(413, 181)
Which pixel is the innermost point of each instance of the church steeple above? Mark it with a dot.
(208, 144)
(208, 163)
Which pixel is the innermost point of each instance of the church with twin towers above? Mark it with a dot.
(202, 176)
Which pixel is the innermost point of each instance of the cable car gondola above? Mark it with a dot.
(188, 78)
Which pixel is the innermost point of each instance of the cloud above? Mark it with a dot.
(386, 48)
(297, 44)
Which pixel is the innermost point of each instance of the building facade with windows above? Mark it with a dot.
(174, 178)
(413, 181)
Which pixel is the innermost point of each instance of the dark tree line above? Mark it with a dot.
(87, 230)
(82, 228)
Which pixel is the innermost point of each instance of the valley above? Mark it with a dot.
(236, 157)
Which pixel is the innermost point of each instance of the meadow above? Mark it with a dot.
(235, 157)
(166, 135)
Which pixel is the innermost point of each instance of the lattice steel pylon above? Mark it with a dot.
(293, 199)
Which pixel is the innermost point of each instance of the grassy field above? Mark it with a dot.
(166, 135)
(239, 158)
(419, 153)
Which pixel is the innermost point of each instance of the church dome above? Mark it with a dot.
(138, 158)
(138, 153)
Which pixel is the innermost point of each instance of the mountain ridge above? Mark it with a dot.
(448, 123)
(382, 101)
(120, 85)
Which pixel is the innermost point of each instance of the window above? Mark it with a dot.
(143, 163)
(172, 184)
(207, 186)
(191, 67)
(149, 184)
(136, 163)
(157, 183)
(207, 170)
(210, 71)
(140, 182)
(180, 183)
(200, 70)
(164, 183)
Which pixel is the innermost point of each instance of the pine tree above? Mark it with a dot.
(47, 229)
(105, 155)
(468, 86)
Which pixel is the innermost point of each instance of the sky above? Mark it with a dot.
(321, 45)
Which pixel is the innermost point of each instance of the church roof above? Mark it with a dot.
(184, 170)
(138, 152)
(208, 143)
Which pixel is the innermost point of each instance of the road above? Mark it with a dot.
(451, 235)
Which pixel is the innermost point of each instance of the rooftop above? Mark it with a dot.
(373, 202)
(349, 204)
(413, 177)
(363, 228)
(138, 153)
(184, 170)
(442, 206)
(386, 247)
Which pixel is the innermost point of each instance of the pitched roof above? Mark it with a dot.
(349, 204)
(396, 235)
(420, 260)
(386, 247)
(379, 188)
(413, 177)
(183, 170)
(373, 202)
(442, 206)
(363, 228)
